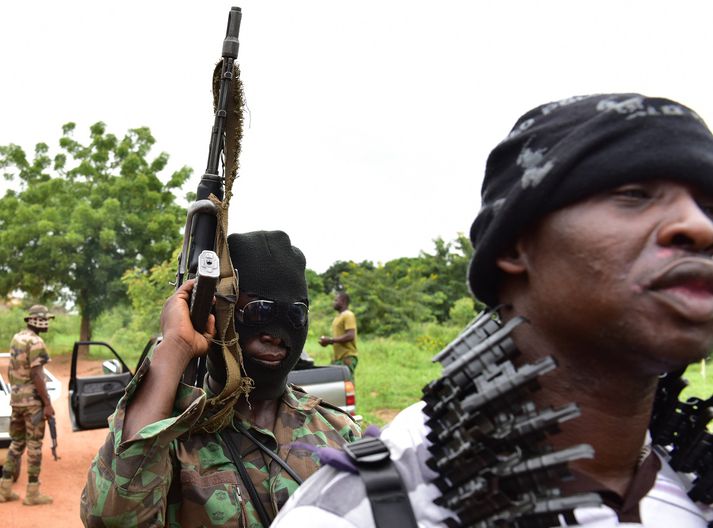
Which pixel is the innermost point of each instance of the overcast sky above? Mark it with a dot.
(369, 122)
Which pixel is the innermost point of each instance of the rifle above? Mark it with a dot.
(679, 433)
(198, 258)
(53, 434)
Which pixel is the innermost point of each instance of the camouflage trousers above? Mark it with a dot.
(27, 429)
(349, 361)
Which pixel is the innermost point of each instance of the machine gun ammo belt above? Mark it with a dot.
(487, 437)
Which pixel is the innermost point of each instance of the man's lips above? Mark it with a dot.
(686, 285)
(270, 356)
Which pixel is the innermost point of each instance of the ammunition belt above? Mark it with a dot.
(488, 438)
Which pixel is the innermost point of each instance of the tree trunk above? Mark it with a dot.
(85, 333)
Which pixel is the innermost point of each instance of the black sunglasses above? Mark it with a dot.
(262, 311)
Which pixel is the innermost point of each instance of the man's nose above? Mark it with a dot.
(687, 226)
(271, 339)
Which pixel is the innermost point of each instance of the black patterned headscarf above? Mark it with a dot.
(563, 152)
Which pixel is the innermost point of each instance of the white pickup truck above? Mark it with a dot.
(92, 399)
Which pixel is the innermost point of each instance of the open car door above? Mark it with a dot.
(92, 399)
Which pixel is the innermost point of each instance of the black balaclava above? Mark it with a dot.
(569, 150)
(271, 267)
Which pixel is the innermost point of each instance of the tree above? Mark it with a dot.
(388, 298)
(332, 277)
(448, 267)
(80, 219)
(315, 283)
(147, 292)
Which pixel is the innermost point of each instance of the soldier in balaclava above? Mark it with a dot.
(153, 470)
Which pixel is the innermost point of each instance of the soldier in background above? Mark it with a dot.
(31, 406)
(344, 333)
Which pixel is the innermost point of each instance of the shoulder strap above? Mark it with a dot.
(269, 452)
(385, 490)
(225, 436)
(322, 402)
(219, 409)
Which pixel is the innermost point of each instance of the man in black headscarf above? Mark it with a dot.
(154, 471)
(593, 246)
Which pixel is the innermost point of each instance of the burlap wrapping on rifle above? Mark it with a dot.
(219, 409)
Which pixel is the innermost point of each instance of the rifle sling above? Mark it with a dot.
(225, 436)
(269, 452)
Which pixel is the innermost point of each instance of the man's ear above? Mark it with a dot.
(514, 260)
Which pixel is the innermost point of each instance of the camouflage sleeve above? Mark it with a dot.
(128, 481)
(341, 422)
(37, 352)
(351, 431)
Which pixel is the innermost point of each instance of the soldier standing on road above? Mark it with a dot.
(31, 406)
(344, 334)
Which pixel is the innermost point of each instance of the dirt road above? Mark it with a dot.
(63, 479)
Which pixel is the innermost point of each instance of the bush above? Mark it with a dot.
(117, 328)
(321, 315)
(462, 312)
(11, 322)
(430, 337)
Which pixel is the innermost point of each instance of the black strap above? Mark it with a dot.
(269, 452)
(389, 500)
(238, 461)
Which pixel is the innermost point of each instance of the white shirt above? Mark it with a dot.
(334, 499)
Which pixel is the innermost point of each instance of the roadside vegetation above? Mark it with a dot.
(96, 227)
(391, 373)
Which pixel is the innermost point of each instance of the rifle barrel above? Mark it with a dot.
(203, 231)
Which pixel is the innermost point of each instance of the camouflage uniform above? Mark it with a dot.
(27, 424)
(167, 478)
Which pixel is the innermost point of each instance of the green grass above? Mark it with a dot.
(392, 372)
(389, 376)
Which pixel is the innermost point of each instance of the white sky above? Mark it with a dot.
(369, 122)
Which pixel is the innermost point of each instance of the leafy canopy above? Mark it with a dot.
(390, 298)
(77, 220)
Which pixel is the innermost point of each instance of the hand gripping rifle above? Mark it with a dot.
(201, 236)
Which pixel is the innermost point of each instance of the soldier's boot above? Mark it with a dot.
(6, 494)
(33, 496)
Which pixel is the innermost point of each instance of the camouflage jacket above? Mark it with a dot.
(165, 477)
(27, 350)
